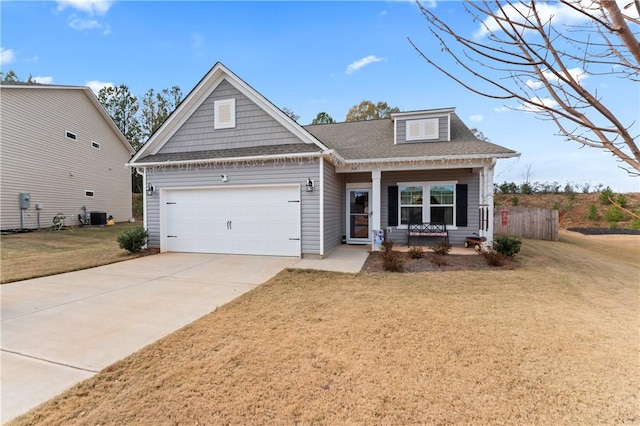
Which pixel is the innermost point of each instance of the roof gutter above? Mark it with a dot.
(229, 159)
(432, 158)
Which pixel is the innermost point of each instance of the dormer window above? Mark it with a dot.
(425, 129)
(224, 114)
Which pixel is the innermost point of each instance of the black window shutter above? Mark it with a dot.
(461, 205)
(392, 205)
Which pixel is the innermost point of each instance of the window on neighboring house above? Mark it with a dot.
(438, 206)
(71, 135)
(88, 193)
(425, 129)
(95, 145)
(224, 112)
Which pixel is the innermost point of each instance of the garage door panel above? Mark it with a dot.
(252, 220)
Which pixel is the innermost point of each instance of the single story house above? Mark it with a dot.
(61, 154)
(229, 172)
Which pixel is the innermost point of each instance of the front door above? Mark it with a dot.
(358, 216)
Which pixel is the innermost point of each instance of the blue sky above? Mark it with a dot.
(306, 56)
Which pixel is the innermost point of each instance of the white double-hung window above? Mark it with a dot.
(427, 202)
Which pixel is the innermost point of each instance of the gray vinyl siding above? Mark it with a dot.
(270, 173)
(333, 207)
(462, 176)
(443, 130)
(254, 127)
(39, 159)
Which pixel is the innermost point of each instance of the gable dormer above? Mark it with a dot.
(422, 126)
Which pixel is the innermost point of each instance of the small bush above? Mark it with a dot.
(635, 223)
(621, 200)
(493, 258)
(439, 260)
(604, 196)
(556, 206)
(416, 252)
(391, 260)
(133, 240)
(387, 245)
(442, 248)
(572, 196)
(507, 246)
(613, 215)
(593, 212)
(514, 201)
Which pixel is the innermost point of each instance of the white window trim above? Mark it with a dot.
(95, 145)
(423, 136)
(426, 191)
(216, 114)
(93, 193)
(68, 132)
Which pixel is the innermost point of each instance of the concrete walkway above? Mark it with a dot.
(345, 258)
(62, 329)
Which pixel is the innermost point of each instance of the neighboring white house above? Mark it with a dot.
(60, 154)
(228, 172)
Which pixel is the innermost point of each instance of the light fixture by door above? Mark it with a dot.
(225, 178)
(150, 189)
(309, 185)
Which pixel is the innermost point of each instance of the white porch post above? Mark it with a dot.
(375, 206)
(486, 200)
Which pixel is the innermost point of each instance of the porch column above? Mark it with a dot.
(486, 201)
(375, 207)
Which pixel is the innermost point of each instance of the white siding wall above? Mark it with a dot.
(39, 159)
(270, 173)
(254, 127)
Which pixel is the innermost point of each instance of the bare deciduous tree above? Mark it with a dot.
(540, 54)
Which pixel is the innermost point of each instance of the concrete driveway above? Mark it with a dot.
(62, 329)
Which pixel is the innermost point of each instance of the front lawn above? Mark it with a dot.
(45, 252)
(554, 341)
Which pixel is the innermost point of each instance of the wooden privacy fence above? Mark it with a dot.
(525, 222)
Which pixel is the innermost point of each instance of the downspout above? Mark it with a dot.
(321, 179)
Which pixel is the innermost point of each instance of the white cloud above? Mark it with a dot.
(502, 109)
(96, 85)
(43, 79)
(576, 73)
(355, 66)
(7, 56)
(477, 118)
(560, 13)
(80, 24)
(93, 7)
(548, 102)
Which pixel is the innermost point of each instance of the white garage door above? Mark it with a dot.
(252, 220)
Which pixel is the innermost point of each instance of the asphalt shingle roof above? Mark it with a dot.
(300, 148)
(373, 139)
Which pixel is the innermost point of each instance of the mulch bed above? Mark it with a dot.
(454, 262)
(605, 231)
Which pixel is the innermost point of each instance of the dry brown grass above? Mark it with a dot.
(554, 341)
(44, 252)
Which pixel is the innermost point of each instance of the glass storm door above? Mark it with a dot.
(358, 223)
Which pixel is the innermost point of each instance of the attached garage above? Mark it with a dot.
(255, 220)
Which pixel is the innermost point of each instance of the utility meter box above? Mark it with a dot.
(25, 200)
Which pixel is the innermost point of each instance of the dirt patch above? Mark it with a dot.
(431, 262)
(573, 208)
